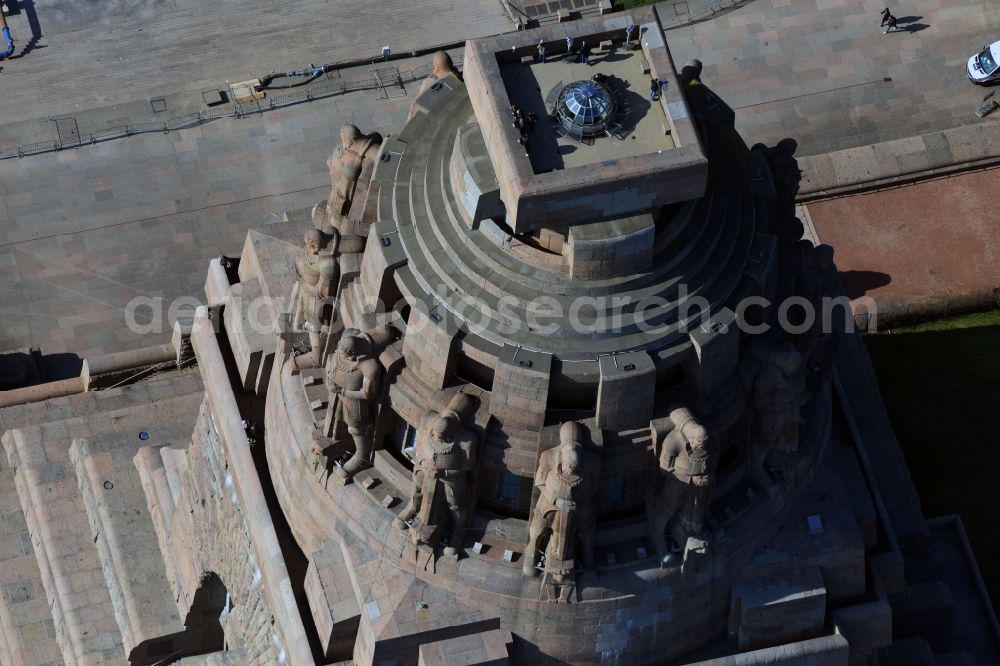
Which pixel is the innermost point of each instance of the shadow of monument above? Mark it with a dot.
(638, 107)
(954, 374)
(62, 366)
(19, 369)
(859, 283)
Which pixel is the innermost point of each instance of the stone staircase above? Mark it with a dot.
(705, 247)
(82, 584)
(198, 524)
(27, 630)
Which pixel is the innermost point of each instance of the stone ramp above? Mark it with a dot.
(134, 572)
(68, 562)
(863, 402)
(27, 632)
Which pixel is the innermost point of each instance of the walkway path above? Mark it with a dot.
(84, 231)
(817, 70)
(101, 54)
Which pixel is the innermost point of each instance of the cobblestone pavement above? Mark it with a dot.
(81, 55)
(85, 231)
(817, 70)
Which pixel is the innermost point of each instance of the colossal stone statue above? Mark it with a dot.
(346, 165)
(444, 458)
(779, 393)
(353, 379)
(819, 275)
(319, 274)
(787, 178)
(442, 66)
(567, 479)
(687, 461)
(818, 284)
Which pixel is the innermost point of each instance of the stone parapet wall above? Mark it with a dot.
(611, 248)
(208, 533)
(826, 651)
(892, 163)
(620, 187)
(259, 567)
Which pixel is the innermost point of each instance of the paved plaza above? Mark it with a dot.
(822, 72)
(85, 231)
(91, 55)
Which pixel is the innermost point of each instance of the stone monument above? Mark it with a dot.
(319, 275)
(563, 515)
(553, 437)
(349, 165)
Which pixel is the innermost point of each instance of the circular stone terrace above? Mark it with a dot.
(501, 290)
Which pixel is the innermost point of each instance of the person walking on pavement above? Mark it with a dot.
(541, 50)
(890, 24)
(885, 16)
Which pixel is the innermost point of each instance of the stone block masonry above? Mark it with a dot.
(521, 387)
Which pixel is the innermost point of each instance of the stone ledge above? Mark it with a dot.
(900, 161)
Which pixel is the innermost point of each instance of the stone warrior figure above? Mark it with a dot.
(779, 393)
(787, 178)
(817, 282)
(319, 274)
(687, 461)
(441, 67)
(353, 379)
(346, 165)
(444, 459)
(568, 481)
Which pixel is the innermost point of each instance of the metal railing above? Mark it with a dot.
(324, 88)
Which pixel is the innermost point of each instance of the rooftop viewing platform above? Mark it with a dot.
(634, 127)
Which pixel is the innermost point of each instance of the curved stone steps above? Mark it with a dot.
(511, 266)
(548, 343)
(705, 245)
(658, 288)
(616, 285)
(479, 283)
(671, 245)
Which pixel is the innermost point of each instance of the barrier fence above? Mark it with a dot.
(327, 86)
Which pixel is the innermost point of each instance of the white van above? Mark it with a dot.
(982, 67)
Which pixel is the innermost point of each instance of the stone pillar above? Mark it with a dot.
(429, 342)
(610, 248)
(716, 343)
(383, 255)
(521, 387)
(626, 391)
(778, 609)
